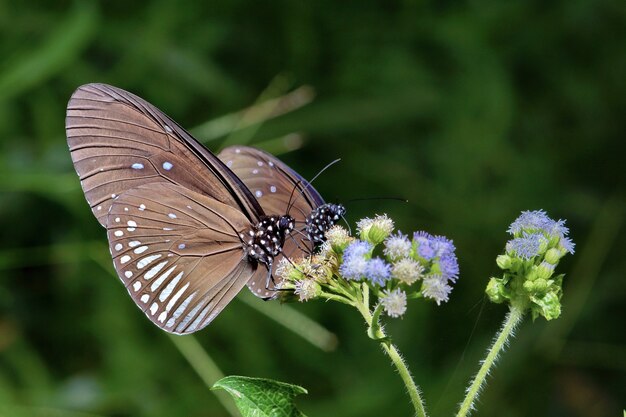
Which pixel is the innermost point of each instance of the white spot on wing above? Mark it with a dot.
(118, 233)
(142, 207)
(176, 296)
(131, 223)
(155, 270)
(180, 310)
(140, 249)
(147, 260)
(136, 286)
(273, 189)
(118, 246)
(167, 166)
(258, 193)
(171, 216)
(170, 287)
(162, 316)
(128, 274)
(182, 246)
(156, 284)
(137, 166)
(134, 243)
(153, 308)
(145, 298)
(125, 259)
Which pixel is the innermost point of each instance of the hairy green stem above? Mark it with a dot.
(396, 359)
(513, 318)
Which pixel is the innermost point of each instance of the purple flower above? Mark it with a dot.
(528, 246)
(377, 271)
(426, 245)
(443, 245)
(538, 221)
(437, 288)
(567, 244)
(449, 266)
(354, 263)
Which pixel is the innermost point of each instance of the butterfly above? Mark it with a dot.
(185, 233)
(280, 189)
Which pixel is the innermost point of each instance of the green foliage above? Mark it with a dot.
(258, 397)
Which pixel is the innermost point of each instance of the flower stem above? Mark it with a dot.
(513, 318)
(396, 359)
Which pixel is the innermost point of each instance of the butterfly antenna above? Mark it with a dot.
(308, 184)
(404, 200)
(347, 224)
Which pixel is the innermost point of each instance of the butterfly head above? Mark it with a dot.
(321, 219)
(285, 224)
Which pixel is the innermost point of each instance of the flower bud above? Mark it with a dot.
(547, 306)
(553, 256)
(545, 270)
(338, 238)
(495, 290)
(504, 261)
(375, 230)
(307, 289)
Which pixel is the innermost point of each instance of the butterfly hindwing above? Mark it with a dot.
(178, 253)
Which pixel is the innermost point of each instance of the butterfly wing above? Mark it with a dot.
(272, 182)
(119, 141)
(178, 253)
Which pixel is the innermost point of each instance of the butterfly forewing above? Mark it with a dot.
(119, 141)
(178, 253)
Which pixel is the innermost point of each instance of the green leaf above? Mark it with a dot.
(258, 397)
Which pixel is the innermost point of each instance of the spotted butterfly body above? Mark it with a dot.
(279, 189)
(184, 231)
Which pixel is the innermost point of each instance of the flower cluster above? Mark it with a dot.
(393, 267)
(530, 258)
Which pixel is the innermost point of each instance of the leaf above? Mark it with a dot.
(258, 397)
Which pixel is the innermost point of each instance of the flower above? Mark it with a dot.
(307, 289)
(426, 247)
(407, 270)
(528, 246)
(354, 260)
(537, 221)
(284, 269)
(394, 302)
(442, 245)
(436, 287)
(338, 237)
(449, 266)
(397, 247)
(377, 271)
(375, 230)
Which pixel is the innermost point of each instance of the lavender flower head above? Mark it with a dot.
(426, 247)
(537, 221)
(377, 271)
(355, 263)
(527, 246)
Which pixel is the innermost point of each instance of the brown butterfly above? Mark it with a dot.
(185, 233)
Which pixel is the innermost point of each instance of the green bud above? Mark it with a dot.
(544, 270)
(496, 290)
(504, 261)
(529, 286)
(540, 285)
(532, 274)
(548, 306)
(375, 230)
(553, 256)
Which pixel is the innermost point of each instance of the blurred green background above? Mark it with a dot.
(473, 111)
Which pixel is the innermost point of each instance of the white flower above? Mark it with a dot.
(306, 289)
(397, 247)
(394, 302)
(407, 270)
(437, 288)
(375, 230)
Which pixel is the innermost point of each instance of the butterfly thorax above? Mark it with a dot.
(265, 240)
(321, 219)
